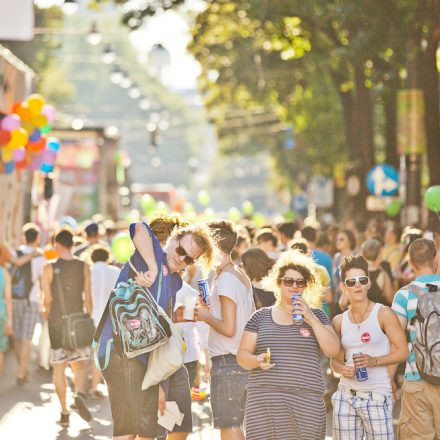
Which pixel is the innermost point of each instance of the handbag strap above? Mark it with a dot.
(56, 272)
(159, 288)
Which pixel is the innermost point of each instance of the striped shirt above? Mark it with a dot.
(405, 304)
(294, 351)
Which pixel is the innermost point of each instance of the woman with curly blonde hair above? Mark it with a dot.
(285, 386)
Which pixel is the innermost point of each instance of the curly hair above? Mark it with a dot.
(163, 225)
(305, 266)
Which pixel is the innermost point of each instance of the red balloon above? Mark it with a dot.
(21, 165)
(5, 137)
(37, 146)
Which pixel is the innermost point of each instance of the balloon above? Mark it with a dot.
(7, 154)
(21, 165)
(53, 144)
(35, 135)
(19, 138)
(203, 198)
(35, 163)
(19, 155)
(259, 219)
(393, 208)
(289, 215)
(432, 198)
(28, 127)
(5, 137)
(39, 121)
(122, 247)
(161, 207)
(147, 204)
(35, 104)
(10, 122)
(46, 168)
(248, 207)
(49, 157)
(46, 129)
(188, 207)
(49, 111)
(37, 146)
(9, 167)
(234, 214)
(24, 113)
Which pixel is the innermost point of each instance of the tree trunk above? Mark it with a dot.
(390, 111)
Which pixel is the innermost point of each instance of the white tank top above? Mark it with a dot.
(367, 339)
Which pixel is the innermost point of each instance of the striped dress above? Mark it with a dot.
(286, 401)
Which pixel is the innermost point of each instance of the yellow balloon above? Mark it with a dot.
(35, 104)
(28, 126)
(19, 138)
(7, 154)
(39, 121)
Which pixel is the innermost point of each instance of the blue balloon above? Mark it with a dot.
(9, 167)
(46, 168)
(53, 144)
(35, 136)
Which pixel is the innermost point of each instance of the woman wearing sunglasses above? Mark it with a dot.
(285, 387)
(371, 338)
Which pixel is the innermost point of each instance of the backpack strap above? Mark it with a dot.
(95, 345)
(414, 288)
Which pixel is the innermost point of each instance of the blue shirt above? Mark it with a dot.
(324, 259)
(171, 283)
(405, 304)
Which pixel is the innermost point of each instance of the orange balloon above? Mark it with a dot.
(24, 113)
(51, 254)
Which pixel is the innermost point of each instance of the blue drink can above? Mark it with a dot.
(361, 373)
(204, 291)
(298, 319)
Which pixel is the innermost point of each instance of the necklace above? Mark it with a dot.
(284, 308)
(358, 324)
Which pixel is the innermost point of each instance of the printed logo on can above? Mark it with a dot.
(365, 337)
(135, 323)
(304, 332)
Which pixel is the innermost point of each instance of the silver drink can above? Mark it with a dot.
(204, 291)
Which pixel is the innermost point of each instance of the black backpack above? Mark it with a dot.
(21, 279)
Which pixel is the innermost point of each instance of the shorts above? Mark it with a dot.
(228, 391)
(60, 355)
(134, 411)
(193, 368)
(3, 338)
(176, 389)
(25, 316)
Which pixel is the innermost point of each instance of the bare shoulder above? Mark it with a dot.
(337, 323)
(385, 313)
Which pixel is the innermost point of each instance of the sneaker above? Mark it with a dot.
(64, 420)
(81, 407)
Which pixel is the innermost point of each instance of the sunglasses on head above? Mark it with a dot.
(182, 253)
(289, 282)
(351, 282)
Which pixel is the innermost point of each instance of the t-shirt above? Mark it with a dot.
(405, 304)
(324, 259)
(227, 284)
(5, 255)
(294, 351)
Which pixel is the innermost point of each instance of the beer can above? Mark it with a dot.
(361, 373)
(297, 317)
(204, 291)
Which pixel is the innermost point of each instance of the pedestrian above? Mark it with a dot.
(26, 297)
(257, 265)
(6, 319)
(286, 231)
(392, 251)
(285, 393)
(92, 237)
(134, 411)
(363, 402)
(266, 240)
(420, 409)
(103, 277)
(70, 277)
(231, 305)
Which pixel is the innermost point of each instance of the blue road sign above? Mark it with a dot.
(383, 180)
(300, 202)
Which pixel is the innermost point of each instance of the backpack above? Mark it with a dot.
(21, 279)
(426, 324)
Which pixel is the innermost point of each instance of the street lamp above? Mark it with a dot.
(94, 37)
(69, 7)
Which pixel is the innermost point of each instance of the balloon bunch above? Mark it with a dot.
(23, 137)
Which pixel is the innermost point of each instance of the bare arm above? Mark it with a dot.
(226, 326)
(403, 322)
(8, 301)
(387, 289)
(246, 356)
(144, 244)
(47, 289)
(337, 362)
(88, 301)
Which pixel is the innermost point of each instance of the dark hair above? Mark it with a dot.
(288, 229)
(422, 252)
(100, 253)
(396, 229)
(65, 238)
(224, 235)
(300, 244)
(266, 234)
(322, 240)
(31, 232)
(256, 263)
(357, 262)
(309, 233)
(371, 249)
(92, 230)
(350, 236)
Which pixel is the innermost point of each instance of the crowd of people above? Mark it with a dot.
(287, 302)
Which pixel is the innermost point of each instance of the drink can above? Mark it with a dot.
(297, 317)
(361, 373)
(204, 291)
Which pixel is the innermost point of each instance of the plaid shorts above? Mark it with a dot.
(24, 318)
(60, 355)
(369, 415)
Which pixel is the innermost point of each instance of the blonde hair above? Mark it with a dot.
(163, 225)
(203, 238)
(305, 266)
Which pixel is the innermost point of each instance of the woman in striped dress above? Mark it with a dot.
(285, 392)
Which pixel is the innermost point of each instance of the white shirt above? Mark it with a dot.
(195, 333)
(37, 266)
(103, 279)
(227, 284)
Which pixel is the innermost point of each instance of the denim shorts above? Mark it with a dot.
(228, 391)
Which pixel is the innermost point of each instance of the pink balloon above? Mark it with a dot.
(35, 163)
(11, 122)
(19, 155)
(49, 157)
(49, 111)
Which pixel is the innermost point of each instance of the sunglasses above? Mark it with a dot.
(289, 282)
(182, 253)
(351, 282)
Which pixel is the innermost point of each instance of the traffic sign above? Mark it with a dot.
(300, 202)
(320, 192)
(383, 180)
